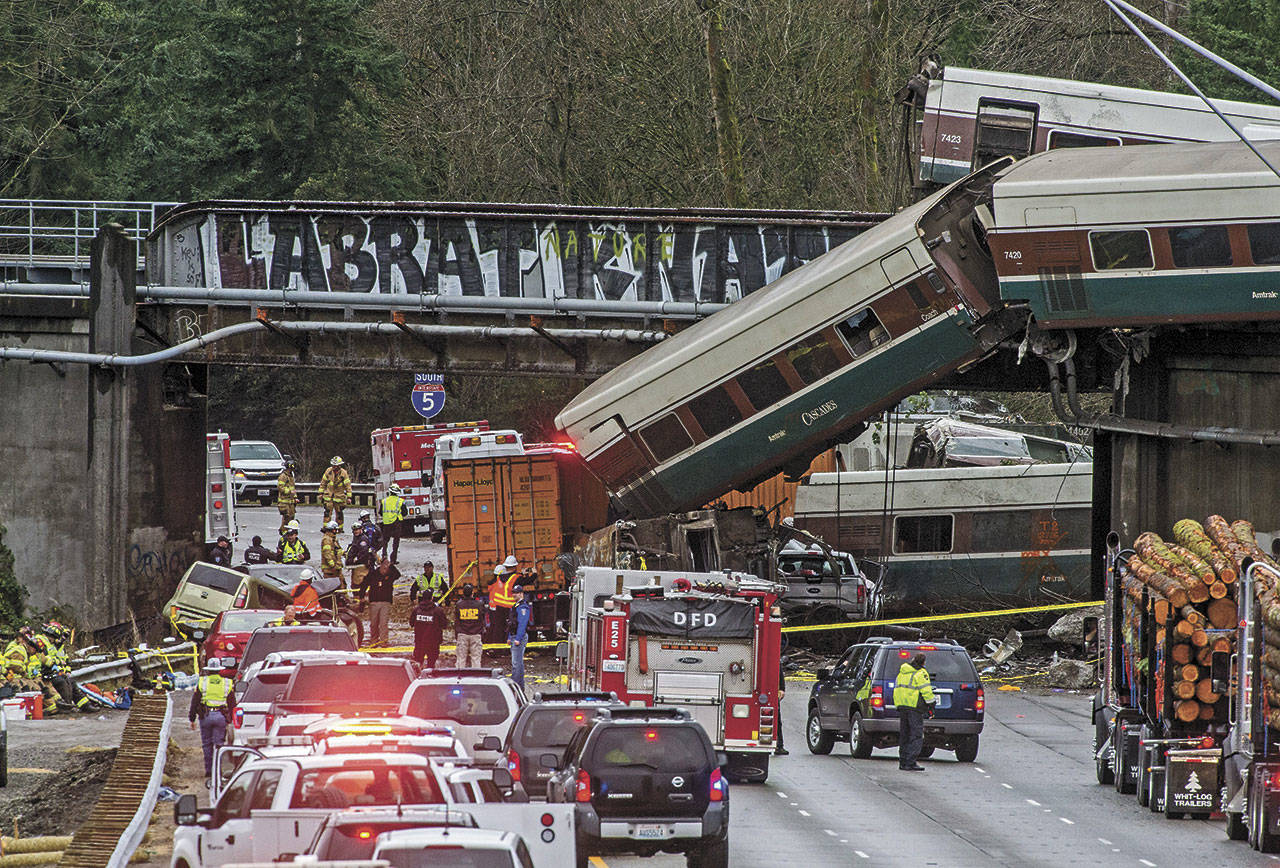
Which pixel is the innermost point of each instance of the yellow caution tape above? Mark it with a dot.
(850, 625)
(923, 619)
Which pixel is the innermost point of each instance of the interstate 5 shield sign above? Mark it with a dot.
(427, 396)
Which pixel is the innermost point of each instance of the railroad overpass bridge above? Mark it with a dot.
(105, 335)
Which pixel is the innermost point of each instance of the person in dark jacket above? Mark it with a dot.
(360, 556)
(518, 620)
(220, 552)
(428, 621)
(258, 553)
(468, 625)
(378, 589)
(782, 692)
(211, 704)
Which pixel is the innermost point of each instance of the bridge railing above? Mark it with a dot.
(60, 232)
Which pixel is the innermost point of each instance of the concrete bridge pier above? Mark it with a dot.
(101, 490)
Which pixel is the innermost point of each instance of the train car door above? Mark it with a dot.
(1003, 128)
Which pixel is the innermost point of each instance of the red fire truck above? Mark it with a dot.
(706, 642)
(405, 455)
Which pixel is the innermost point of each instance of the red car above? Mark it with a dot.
(231, 630)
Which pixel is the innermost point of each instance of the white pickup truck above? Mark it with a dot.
(306, 806)
(275, 805)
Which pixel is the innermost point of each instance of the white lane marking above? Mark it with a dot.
(1148, 864)
(861, 855)
(1068, 822)
(781, 794)
(803, 813)
(979, 770)
(1006, 786)
(829, 832)
(793, 804)
(1105, 841)
(1033, 802)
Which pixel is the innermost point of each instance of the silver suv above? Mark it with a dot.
(478, 704)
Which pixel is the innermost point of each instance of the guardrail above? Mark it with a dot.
(361, 493)
(155, 658)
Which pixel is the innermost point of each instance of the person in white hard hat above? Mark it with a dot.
(292, 550)
(330, 551)
(394, 510)
(501, 598)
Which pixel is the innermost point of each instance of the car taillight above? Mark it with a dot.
(513, 764)
(582, 789)
(980, 704)
(241, 599)
(862, 593)
(269, 719)
(237, 718)
(1273, 780)
(718, 786)
(877, 696)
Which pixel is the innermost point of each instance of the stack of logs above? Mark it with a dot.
(1191, 588)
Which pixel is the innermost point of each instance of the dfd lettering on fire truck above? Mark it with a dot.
(706, 642)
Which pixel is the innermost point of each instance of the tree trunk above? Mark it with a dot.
(1182, 653)
(1222, 613)
(1187, 710)
(1172, 591)
(724, 106)
(1204, 691)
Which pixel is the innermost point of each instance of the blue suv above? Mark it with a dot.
(853, 701)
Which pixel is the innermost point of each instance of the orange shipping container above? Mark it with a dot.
(530, 506)
(777, 491)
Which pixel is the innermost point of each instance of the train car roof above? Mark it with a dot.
(691, 344)
(1036, 87)
(1139, 168)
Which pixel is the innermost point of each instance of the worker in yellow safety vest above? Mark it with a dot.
(913, 696)
(211, 705)
(393, 515)
(292, 550)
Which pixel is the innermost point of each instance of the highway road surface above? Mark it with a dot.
(1030, 799)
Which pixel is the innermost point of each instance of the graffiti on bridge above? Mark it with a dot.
(497, 257)
(153, 566)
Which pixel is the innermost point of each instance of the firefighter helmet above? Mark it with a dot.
(336, 461)
(330, 525)
(395, 489)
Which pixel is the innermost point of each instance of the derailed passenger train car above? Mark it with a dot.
(792, 368)
(1113, 237)
(993, 536)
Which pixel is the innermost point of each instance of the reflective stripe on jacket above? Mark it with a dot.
(912, 685)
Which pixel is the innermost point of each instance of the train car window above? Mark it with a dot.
(922, 533)
(764, 385)
(863, 331)
(1063, 139)
(715, 411)
(812, 358)
(666, 438)
(1125, 248)
(1264, 243)
(1200, 246)
(1004, 128)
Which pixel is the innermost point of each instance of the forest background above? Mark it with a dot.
(761, 103)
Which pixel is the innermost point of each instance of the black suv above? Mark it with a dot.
(853, 701)
(644, 780)
(546, 726)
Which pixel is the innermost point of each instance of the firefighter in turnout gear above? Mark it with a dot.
(292, 550)
(16, 658)
(330, 551)
(394, 511)
(913, 695)
(71, 694)
(40, 667)
(335, 491)
(428, 583)
(287, 495)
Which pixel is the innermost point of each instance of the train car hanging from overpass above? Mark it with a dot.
(794, 367)
(969, 117)
(1116, 237)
